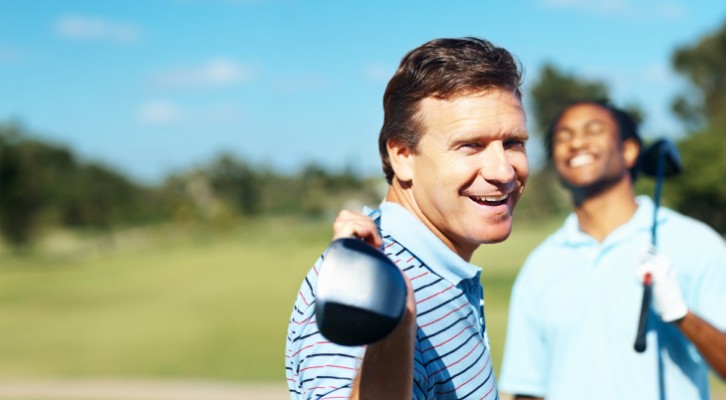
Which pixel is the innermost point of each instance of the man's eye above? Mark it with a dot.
(562, 136)
(595, 131)
(594, 128)
(515, 143)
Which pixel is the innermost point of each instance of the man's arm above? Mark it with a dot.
(709, 341)
(387, 370)
(671, 306)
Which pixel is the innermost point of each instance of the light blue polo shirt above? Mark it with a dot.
(452, 359)
(575, 307)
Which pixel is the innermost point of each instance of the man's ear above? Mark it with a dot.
(631, 150)
(402, 159)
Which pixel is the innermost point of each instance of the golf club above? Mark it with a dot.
(660, 160)
(361, 294)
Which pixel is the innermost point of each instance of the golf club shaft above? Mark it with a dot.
(660, 176)
(642, 322)
(647, 290)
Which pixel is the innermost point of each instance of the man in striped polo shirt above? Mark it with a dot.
(453, 151)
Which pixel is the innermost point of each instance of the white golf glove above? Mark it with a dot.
(667, 295)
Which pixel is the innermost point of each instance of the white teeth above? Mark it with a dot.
(581, 159)
(490, 199)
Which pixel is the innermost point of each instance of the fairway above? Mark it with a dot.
(187, 302)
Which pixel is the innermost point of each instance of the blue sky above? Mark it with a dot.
(153, 87)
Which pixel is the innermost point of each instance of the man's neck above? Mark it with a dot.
(401, 194)
(599, 215)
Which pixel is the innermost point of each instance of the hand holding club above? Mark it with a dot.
(353, 224)
(667, 296)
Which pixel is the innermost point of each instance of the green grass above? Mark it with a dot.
(177, 302)
(206, 306)
(184, 303)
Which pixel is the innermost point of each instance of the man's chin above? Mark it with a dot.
(497, 233)
(495, 240)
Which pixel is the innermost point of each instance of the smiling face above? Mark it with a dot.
(469, 169)
(587, 150)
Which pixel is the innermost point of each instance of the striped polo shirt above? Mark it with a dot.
(452, 355)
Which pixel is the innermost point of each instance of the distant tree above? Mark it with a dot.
(237, 183)
(554, 89)
(97, 197)
(32, 174)
(43, 184)
(173, 198)
(704, 65)
(700, 191)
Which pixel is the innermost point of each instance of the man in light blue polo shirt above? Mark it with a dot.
(576, 302)
(452, 147)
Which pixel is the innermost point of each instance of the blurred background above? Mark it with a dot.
(170, 169)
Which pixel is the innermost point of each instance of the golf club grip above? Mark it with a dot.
(642, 322)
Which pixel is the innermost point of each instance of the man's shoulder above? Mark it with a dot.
(543, 260)
(539, 264)
(681, 218)
(690, 229)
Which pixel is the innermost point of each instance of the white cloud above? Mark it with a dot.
(377, 72)
(158, 112)
(214, 73)
(643, 9)
(83, 27)
(167, 113)
(303, 83)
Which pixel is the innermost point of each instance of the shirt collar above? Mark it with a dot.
(642, 219)
(412, 234)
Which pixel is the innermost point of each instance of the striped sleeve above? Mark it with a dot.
(315, 367)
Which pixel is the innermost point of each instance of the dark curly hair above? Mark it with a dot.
(627, 127)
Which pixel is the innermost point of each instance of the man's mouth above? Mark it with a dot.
(580, 160)
(490, 200)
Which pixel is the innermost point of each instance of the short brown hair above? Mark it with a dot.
(441, 68)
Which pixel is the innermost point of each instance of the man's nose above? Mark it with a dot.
(578, 140)
(496, 166)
